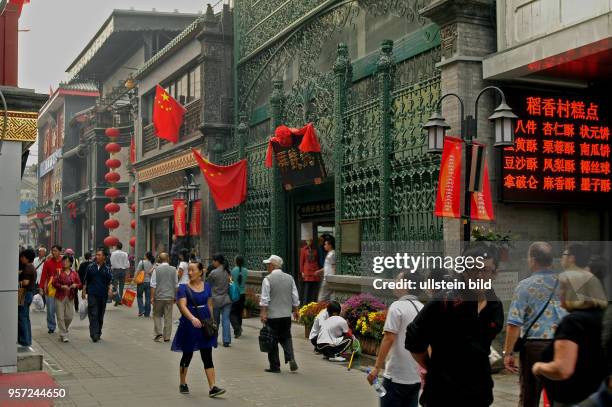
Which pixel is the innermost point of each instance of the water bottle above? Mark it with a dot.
(378, 387)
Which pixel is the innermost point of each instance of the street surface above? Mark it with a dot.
(127, 368)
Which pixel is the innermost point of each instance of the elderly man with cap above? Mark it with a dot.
(279, 299)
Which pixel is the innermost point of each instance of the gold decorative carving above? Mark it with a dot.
(181, 162)
(21, 126)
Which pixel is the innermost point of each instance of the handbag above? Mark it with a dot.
(21, 296)
(139, 279)
(209, 327)
(266, 339)
(234, 291)
(50, 289)
(520, 342)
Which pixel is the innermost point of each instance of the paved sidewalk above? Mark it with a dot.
(127, 368)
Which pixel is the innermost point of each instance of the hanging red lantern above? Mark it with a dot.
(111, 207)
(111, 223)
(113, 163)
(111, 241)
(112, 148)
(133, 224)
(112, 177)
(133, 241)
(112, 132)
(133, 207)
(112, 193)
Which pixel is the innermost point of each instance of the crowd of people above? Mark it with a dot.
(435, 351)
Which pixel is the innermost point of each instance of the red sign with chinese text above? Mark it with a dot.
(561, 151)
(196, 216)
(448, 198)
(482, 202)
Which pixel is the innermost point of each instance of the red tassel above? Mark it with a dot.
(269, 154)
(546, 402)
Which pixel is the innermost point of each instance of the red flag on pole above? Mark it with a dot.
(448, 198)
(227, 184)
(180, 227)
(482, 202)
(167, 115)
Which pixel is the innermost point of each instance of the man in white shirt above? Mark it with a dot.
(119, 265)
(279, 300)
(329, 269)
(335, 336)
(402, 379)
(39, 261)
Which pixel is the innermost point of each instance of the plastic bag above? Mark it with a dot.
(38, 302)
(82, 308)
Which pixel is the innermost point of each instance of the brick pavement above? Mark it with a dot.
(127, 368)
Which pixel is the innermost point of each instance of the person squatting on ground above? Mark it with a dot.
(335, 337)
(316, 327)
(219, 280)
(164, 282)
(27, 283)
(67, 284)
(195, 302)
(279, 300)
(96, 290)
(239, 276)
(51, 267)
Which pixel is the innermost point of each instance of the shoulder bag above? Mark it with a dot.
(209, 327)
(140, 275)
(520, 342)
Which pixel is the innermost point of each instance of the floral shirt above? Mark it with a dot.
(530, 296)
(63, 278)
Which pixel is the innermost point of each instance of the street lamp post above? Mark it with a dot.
(189, 192)
(55, 216)
(503, 120)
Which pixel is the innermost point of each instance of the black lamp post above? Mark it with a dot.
(503, 120)
(55, 217)
(189, 192)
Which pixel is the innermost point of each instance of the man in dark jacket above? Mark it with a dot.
(97, 289)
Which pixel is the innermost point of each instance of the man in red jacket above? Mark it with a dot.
(309, 264)
(51, 267)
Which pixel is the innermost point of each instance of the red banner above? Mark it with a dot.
(482, 202)
(196, 216)
(179, 217)
(448, 198)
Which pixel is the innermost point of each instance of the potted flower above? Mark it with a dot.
(360, 304)
(369, 329)
(251, 304)
(308, 313)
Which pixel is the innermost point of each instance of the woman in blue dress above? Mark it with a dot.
(189, 336)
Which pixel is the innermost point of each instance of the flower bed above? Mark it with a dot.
(308, 313)
(366, 317)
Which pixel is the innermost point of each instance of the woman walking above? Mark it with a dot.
(27, 284)
(239, 276)
(144, 289)
(219, 280)
(67, 283)
(196, 305)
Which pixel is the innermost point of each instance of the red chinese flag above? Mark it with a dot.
(180, 227)
(448, 198)
(482, 202)
(132, 151)
(228, 185)
(196, 216)
(167, 115)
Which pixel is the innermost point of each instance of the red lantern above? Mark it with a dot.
(112, 193)
(113, 148)
(111, 241)
(133, 207)
(133, 241)
(112, 177)
(111, 207)
(133, 224)
(112, 132)
(111, 223)
(113, 163)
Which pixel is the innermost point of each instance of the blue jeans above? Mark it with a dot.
(224, 312)
(118, 283)
(144, 288)
(400, 395)
(24, 328)
(51, 325)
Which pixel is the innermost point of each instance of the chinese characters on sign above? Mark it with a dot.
(296, 167)
(562, 150)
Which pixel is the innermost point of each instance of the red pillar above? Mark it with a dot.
(9, 42)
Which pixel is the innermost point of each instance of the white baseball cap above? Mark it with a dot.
(274, 259)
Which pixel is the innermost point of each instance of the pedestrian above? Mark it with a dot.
(39, 262)
(52, 267)
(195, 302)
(574, 365)
(451, 338)
(97, 290)
(164, 282)
(309, 264)
(183, 267)
(278, 301)
(335, 337)
(329, 269)
(402, 379)
(534, 314)
(219, 280)
(27, 283)
(143, 290)
(119, 265)
(576, 256)
(175, 250)
(75, 262)
(67, 284)
(239, 276)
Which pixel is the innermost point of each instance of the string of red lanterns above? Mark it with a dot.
(112, 177)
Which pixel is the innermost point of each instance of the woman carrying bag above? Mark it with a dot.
(196, 330)
(66, 284)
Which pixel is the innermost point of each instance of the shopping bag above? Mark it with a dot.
(128, 297)
(82, 308)
(39, 303)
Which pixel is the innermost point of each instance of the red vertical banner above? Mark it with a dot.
(482, 202)
(448, 198)
(179, 217)
(196, 216)
(132, 151)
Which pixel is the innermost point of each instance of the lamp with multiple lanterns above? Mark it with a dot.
(189, 192)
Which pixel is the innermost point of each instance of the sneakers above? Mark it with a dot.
(183, 388)
(216, 391)
(337, 359)
(292, 365)
(158, 338)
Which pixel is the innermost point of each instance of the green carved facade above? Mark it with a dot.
(364, 73)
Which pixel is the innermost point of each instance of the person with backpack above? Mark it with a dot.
(239, 277)
(219, 280)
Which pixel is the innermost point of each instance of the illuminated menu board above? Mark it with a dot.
(561, 152)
